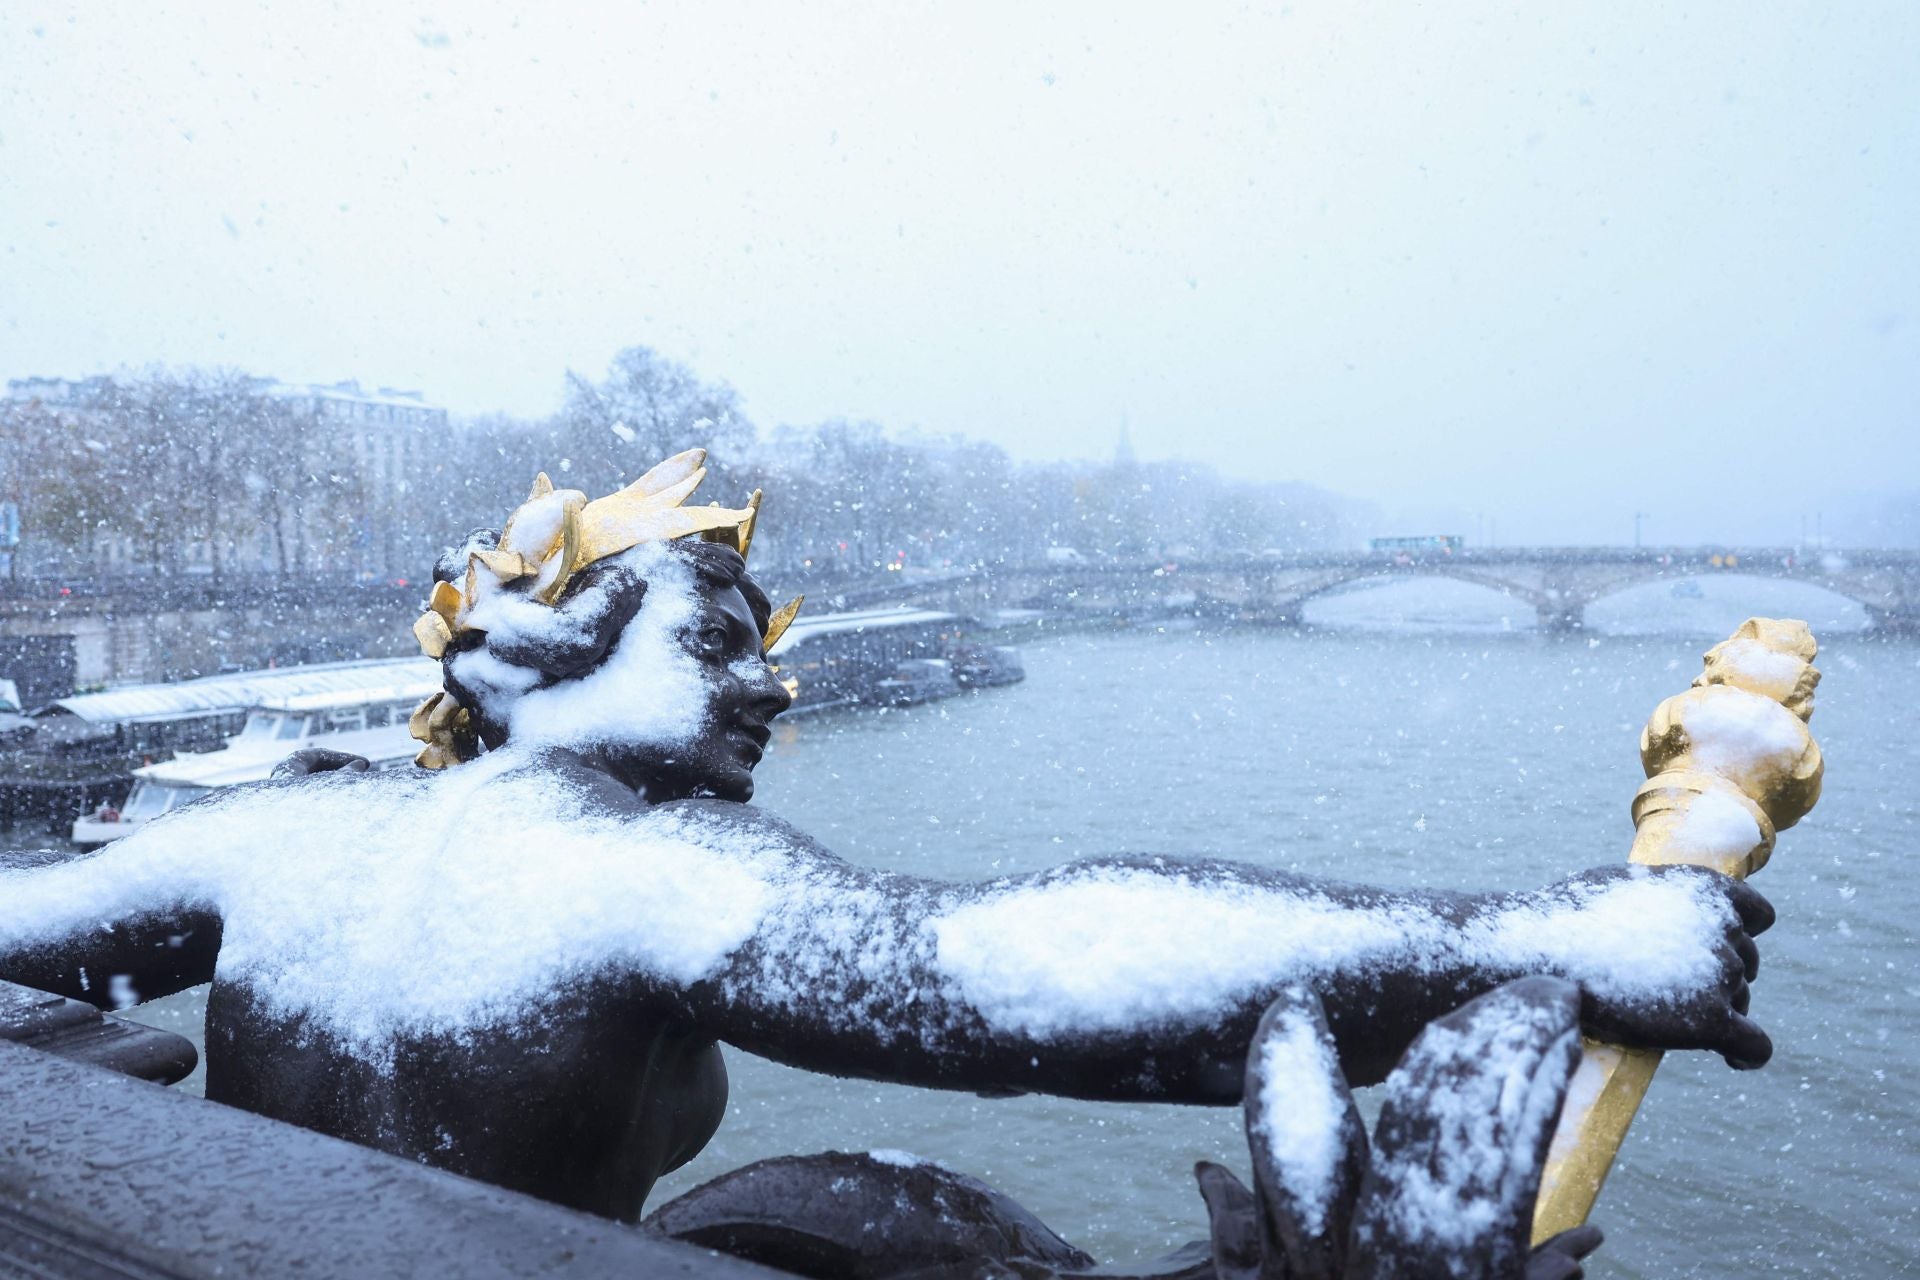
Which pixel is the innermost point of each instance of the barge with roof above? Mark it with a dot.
(886, 657)
(79, 753)
(369, 721)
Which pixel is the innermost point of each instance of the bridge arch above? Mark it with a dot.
(1478, 576)
(1561, 590)
(1715, 601)
(1837, 581)
(1434, 599)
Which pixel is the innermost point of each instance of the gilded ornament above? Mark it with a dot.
(778, 623)
(444, 725)
(1726, 771)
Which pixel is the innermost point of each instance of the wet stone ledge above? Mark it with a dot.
(71, 1029)
(107, 1177)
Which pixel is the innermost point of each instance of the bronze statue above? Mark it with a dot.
(520, 968)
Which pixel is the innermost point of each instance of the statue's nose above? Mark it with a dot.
(772, 697)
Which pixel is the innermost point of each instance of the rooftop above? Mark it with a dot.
(215, 695)
(860, 620)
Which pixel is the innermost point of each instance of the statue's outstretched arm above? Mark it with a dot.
(111, 940)
(1145, 977)
(132, 922)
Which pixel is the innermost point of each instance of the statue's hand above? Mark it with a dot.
(310, 760)
(1559, 1258)
(1664, 956)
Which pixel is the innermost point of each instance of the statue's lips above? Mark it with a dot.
(755, 737)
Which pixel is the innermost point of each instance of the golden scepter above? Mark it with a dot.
(1729, 763)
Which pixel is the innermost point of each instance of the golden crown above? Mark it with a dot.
(553, 535)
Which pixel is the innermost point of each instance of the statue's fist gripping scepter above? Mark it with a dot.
(1729, 763)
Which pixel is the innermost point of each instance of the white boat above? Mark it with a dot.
(77, 754)
(369, 721)
(156, 718)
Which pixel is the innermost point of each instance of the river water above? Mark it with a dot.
(1467, 757)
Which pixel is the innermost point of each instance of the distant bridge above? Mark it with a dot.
(150, 627)
(1557, 582)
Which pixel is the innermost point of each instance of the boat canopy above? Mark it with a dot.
(215, 695)
(415, 686)
(249, 761)
(862, 620)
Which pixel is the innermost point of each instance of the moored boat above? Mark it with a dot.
(914, 681)
(887, 657)
(840, 658)
(983, 666)
(369, 721)
(80, 752)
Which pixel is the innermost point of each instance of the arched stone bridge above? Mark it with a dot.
(1558, 582)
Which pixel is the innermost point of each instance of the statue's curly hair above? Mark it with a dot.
(599, 601)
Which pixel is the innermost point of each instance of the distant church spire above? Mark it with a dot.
(1123, 451)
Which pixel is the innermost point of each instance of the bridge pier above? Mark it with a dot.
(1281, 614)
(1892, 622)
(1561, 616)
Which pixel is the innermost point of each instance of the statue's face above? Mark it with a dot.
(742, 697)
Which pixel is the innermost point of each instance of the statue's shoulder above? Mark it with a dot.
(727, 824)
(731, 818)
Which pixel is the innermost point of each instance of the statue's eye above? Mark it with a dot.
(713, 639)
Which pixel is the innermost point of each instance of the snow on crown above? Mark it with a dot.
(556, 532)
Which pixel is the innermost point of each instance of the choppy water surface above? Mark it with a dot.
(1448, 760)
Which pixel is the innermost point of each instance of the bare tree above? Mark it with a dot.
(647, 408)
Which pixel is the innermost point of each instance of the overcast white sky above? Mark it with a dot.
(1512, 263)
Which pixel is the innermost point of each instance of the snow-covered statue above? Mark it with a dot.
(518, 962)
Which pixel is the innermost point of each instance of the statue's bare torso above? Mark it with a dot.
(586, 1098)
(587, 1103)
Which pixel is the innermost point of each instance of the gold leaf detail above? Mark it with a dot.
(507, 566)
(442, 723)
(446, 601)
(671, 472)
(569, 553)
(422, 717)
(433, 633)
(605, 533)
(745, 533)
(777, 625)
(648, 510)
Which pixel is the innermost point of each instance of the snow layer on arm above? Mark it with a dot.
(850, 948)
(41, 905)
(1107, 949)
(1638, 938)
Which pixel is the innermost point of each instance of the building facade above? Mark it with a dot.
(389, 433)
